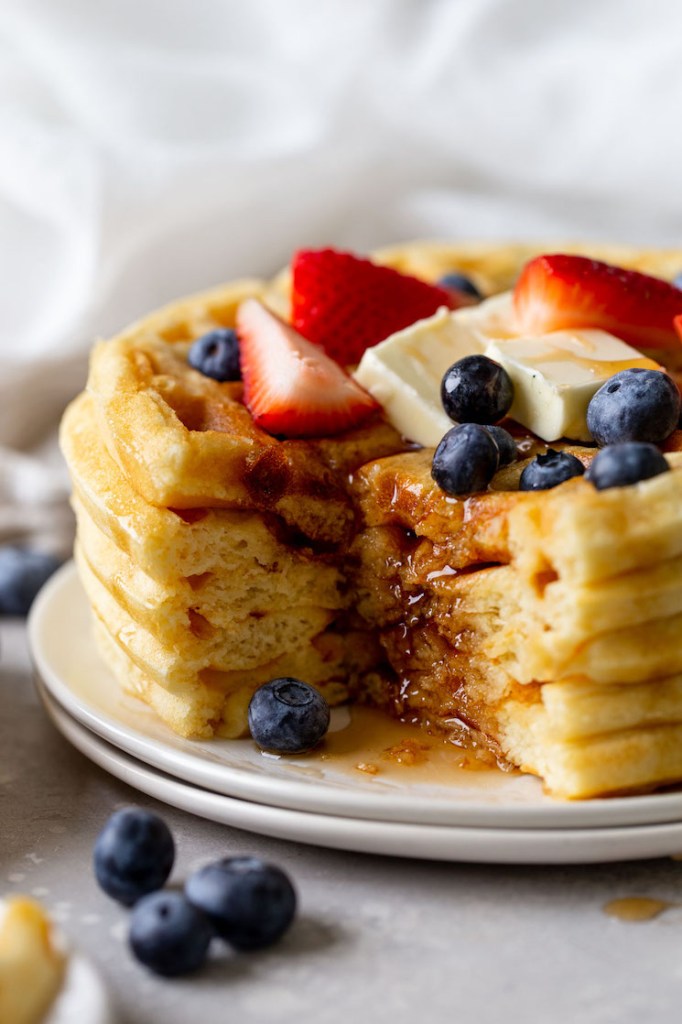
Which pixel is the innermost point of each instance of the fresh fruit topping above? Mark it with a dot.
(460, 284)
(634, 405)
(560, 291)
(249, 903)
(216, 355)
(550, 470)
(133, 854)
(290, 386)
(345, 303)
(465, 460)
(619, 465)
(677, 281)
(22, 573)
(287, 716)
(505, 444)
(476, 390)
(169, 935)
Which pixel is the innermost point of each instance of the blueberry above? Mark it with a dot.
(476, 389)
(455, 282)
(677, 281)
(22, 574)
(505, 443)
(619, 465)
(133, 854)
(249, 903)
(550, 470)
(634, 405)
(288, 716)
(216, 355)
(169, 935)
(465, 460)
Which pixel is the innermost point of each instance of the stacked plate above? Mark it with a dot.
(507, 820)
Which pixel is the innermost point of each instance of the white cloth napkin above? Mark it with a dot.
(149, 148)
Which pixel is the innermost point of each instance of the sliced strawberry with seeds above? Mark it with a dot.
(562, 291)
(345, 304)
(290, 386)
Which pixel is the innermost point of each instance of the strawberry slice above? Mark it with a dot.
(290, 386)
(559, 291)
(345, 304)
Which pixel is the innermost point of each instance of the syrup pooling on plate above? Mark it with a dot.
(378, 747)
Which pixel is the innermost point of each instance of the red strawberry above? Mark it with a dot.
(290, 386)
(346, 304)
(555, 292)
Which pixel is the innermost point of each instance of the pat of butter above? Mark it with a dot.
(556, 375)
(404, 372)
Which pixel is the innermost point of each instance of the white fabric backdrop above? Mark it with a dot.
(154, 147)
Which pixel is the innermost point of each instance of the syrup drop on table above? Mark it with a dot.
(637, 908)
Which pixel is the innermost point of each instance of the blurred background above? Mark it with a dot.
(154, 147)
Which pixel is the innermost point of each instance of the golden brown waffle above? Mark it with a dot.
(216, 557)
(545, 623)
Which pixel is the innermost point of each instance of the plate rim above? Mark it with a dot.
(455, 844)
(313, 795)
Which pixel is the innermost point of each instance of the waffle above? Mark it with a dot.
(541, 626)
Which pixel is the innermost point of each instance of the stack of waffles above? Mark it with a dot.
(210, 551)
(541, 626)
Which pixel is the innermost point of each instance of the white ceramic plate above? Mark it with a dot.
(83, 997)
(396, 839)
(71, 668)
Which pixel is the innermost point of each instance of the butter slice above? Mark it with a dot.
(31, 965)
(404, 372)
(556, 375)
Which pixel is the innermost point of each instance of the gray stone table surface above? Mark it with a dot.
(377, 939)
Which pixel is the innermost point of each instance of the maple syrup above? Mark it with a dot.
(637, 908)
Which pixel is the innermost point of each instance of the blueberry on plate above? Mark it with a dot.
(550, 470)
(634, 405)
(168, 934)
(465, 460)
(23, 571)
(455, 282)
(249, 903)
(476, 389)
(133, 854)
(619, 465)
(505, 443)
(287, 716)
(216, 355)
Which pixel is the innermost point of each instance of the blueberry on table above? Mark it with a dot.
(550, 470)
(216, 355)
(23, 571)
(287, 716)
(505, 443)
(476, 389)
(455, 282)
(620, 465)
(465, 460)
(634, 405)
(168, 934)
(133, 854)
(249, 903)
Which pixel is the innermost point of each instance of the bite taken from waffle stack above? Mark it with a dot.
(248, 510)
